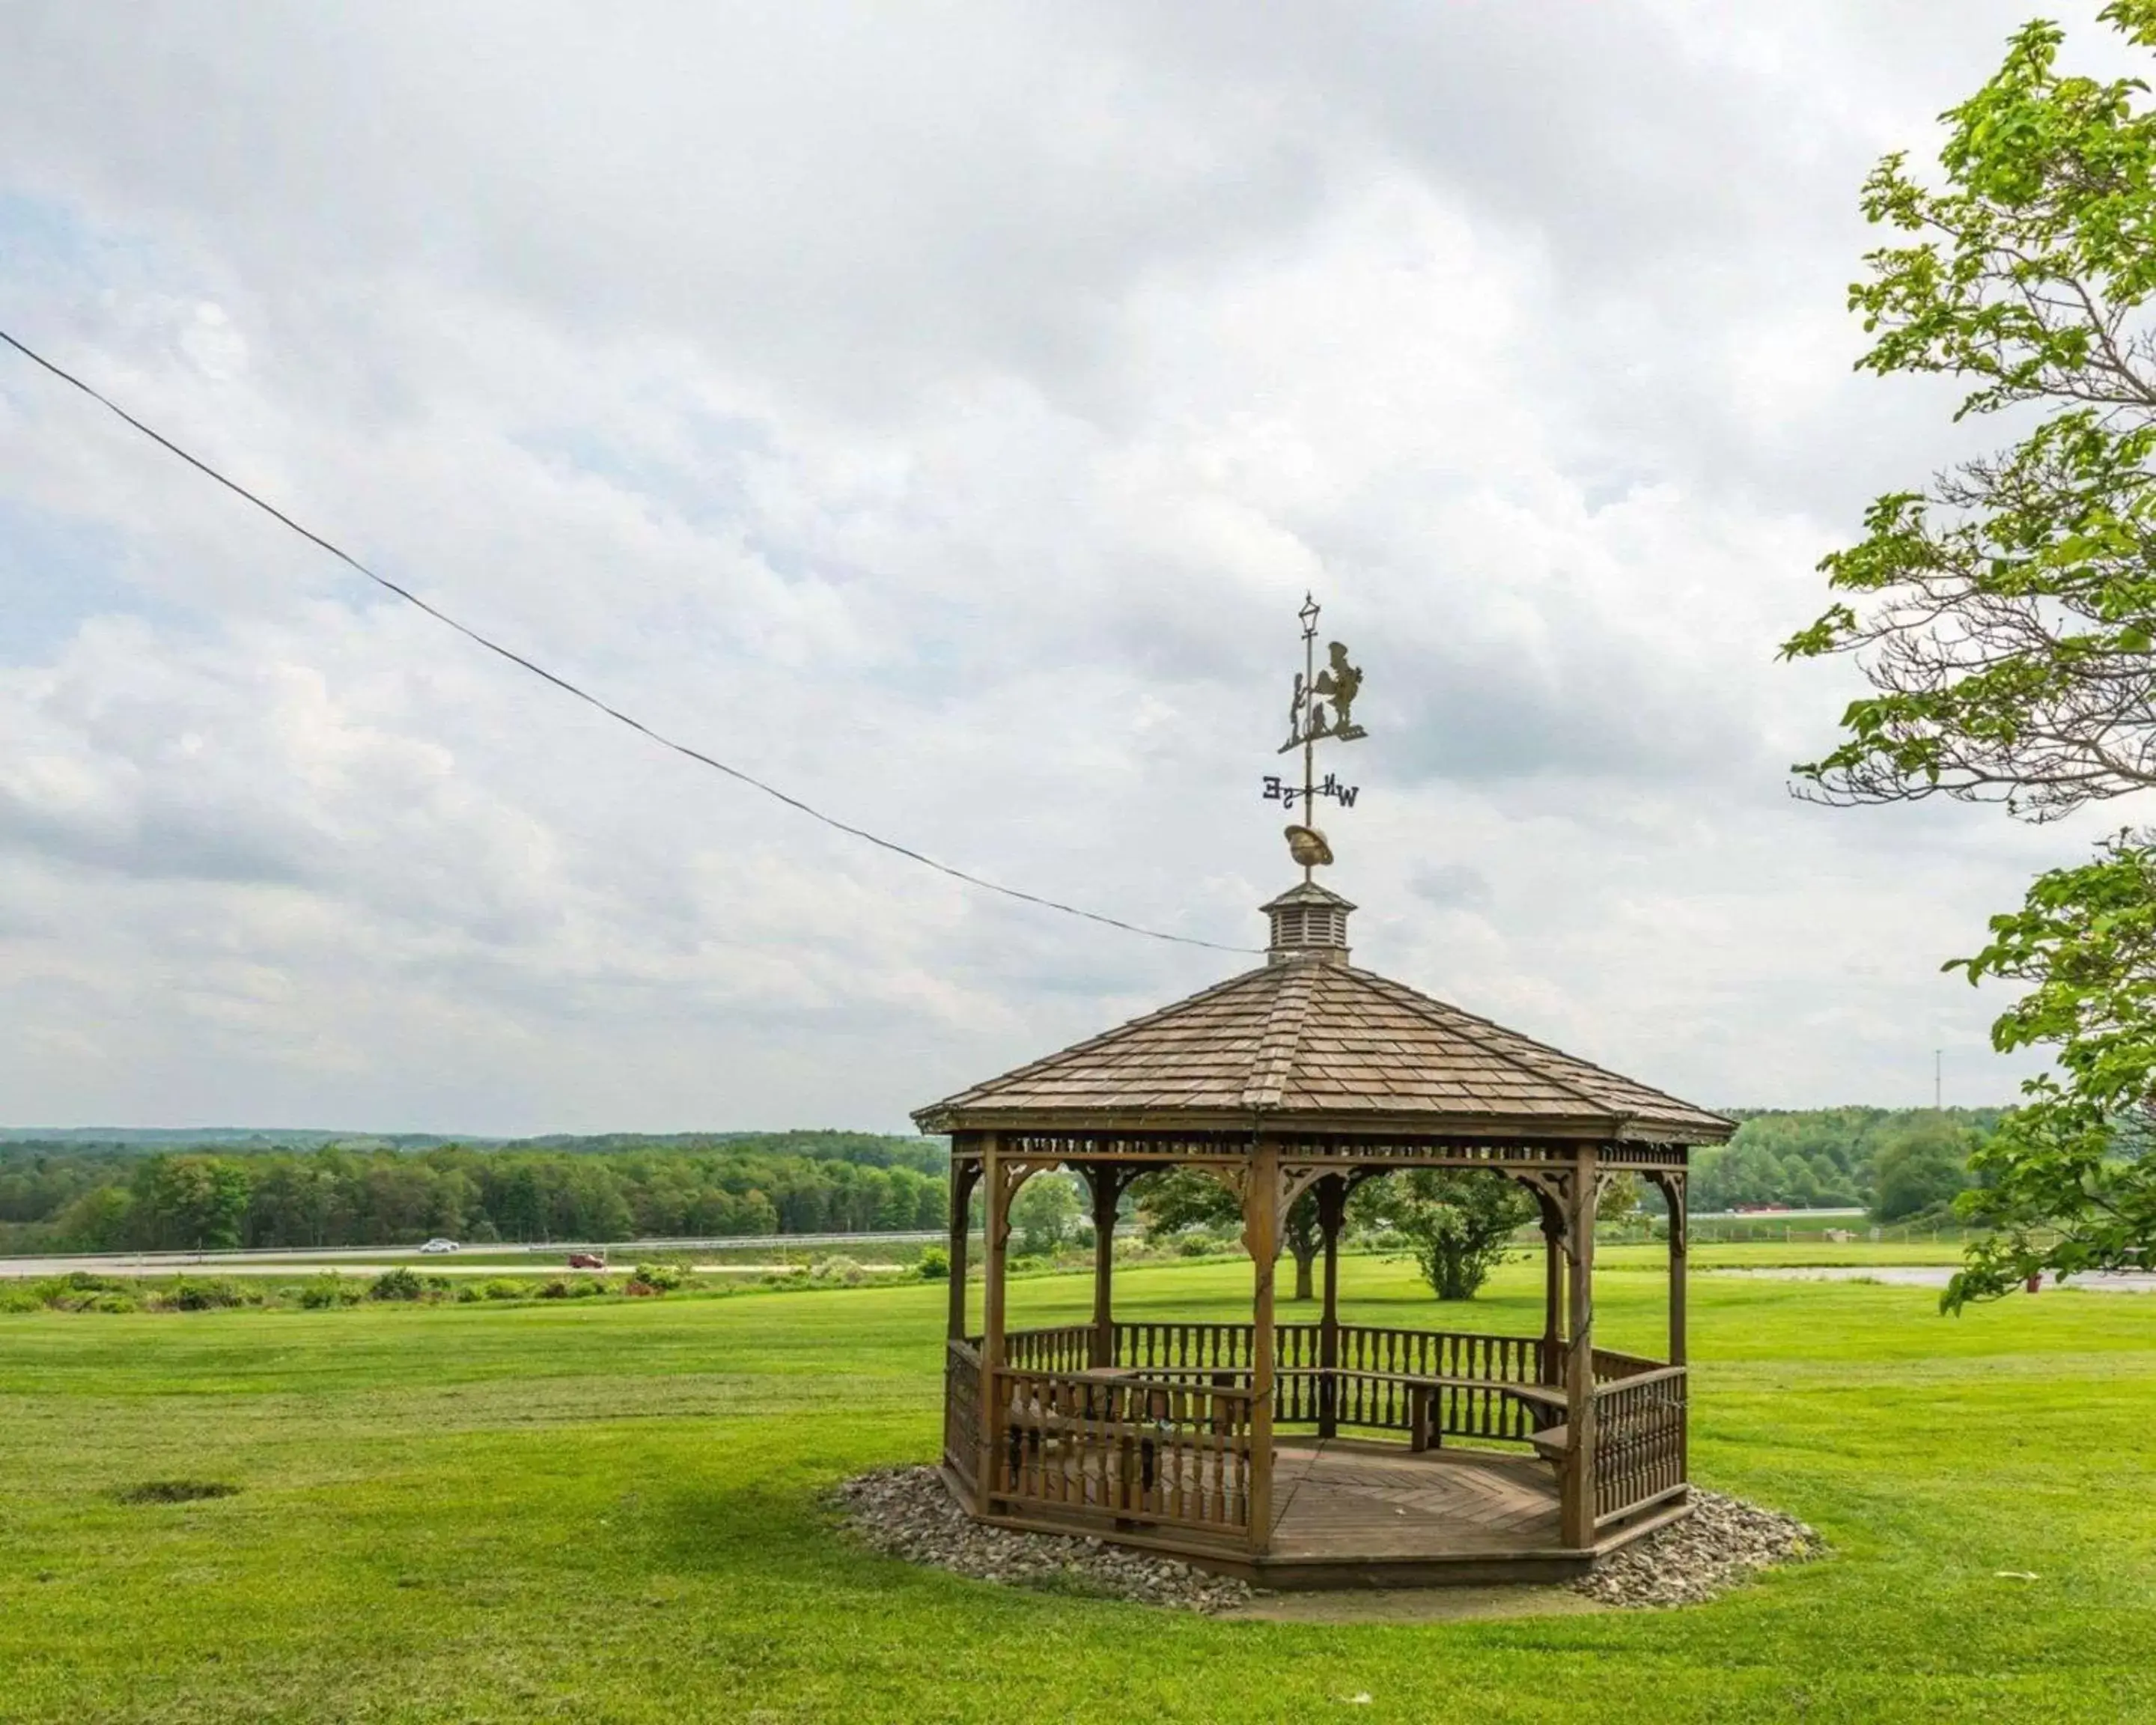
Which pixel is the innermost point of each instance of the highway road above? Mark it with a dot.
(1932, 1276)
(372, 1261)
(27, 1269)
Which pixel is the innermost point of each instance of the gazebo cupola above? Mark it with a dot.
(1308, 922)
(1317, 1452)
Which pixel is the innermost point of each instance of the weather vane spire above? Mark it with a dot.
(1309, 720)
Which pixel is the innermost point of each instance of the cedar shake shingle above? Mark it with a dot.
(1310, 1037)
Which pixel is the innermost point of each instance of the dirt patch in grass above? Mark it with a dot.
(174, 1491)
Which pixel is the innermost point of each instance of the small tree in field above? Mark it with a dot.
(2005, 614)
(1618, 1200)
(1456, 1223)
(1045, 1215)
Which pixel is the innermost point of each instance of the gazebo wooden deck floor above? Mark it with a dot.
(1349, 1513)
(1335, 1498)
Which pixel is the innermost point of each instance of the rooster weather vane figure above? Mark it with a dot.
(1310, 720)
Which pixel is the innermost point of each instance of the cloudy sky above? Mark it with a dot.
(941, 411)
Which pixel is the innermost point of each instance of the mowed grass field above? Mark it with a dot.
(604, 1512)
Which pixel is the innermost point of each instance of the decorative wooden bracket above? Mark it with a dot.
(1014, 1173)
(1671, 1183)
(1553, 1191)
(1297, 1177)
(1119, 1175)
(1290, 1181)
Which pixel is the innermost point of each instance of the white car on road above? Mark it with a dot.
(440, 1245)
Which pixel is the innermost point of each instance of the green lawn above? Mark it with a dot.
(609, 1511)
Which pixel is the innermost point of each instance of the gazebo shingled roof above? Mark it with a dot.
(1300, 1040)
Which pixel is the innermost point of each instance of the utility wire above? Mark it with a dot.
(590, 700)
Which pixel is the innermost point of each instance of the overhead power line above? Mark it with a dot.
(569, 688)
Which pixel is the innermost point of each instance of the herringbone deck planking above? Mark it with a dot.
(1330, 1501)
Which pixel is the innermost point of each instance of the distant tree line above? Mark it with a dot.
(1894, 1163)
(95, 1197)
(78, 1194)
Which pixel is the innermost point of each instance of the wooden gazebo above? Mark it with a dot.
(1317, 1454)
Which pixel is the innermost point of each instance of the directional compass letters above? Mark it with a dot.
(1278, 790)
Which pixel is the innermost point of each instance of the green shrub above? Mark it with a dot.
(557, 1289)
(662, 1276)
(401, 1283)
(112, 1302)
(838, 1268)
(503, 1287)
(328, 1291)
(934, 1264)
(207, 1294)
(75, 1291)
(20, 1300)
(584, 1288)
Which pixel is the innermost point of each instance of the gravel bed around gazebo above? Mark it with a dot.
(908, 1512)
(1721, 1543)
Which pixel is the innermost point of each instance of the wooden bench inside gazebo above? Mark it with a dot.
(1317, 1454)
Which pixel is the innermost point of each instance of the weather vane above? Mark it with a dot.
(1309, 720)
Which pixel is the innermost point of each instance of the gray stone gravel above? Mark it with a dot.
(906, 1512)
(1722, 1542)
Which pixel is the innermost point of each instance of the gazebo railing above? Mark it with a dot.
(1164, 1436)
(1368, 1382)
(1639, 1441)
(1067, 1348)
(962, 1409)
(1175, 1348)
(1611, 1366)
(1100, 1443)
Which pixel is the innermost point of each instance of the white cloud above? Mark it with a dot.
(939, 414)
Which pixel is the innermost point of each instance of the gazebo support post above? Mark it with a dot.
(963, 1175)
(1261, 1240)
(1332, 1200)
(1679, 1267)
(1577, 1508)
(1673, 1192)
(1553, 1350)
(1107, 1182)
(994, 1237)
(1672, 1185)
